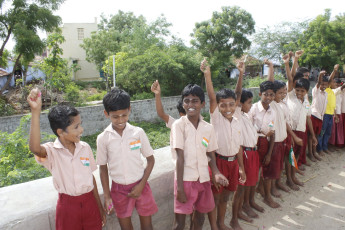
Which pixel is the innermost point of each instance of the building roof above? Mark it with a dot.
(4, 73)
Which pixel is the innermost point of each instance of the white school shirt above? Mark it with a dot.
(298, 111)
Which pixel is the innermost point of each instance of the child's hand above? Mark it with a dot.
(240, 66)
(205, 67)
(286, 59)
(336, 118)
(156, 88)
(314, 141)
(298, 141)
(290, 54)
(267, 62)
(136, 191)
(322, 73)
(267, 160)
(108, 205)
(336, 67)
(181, 196)
(34, 99)
(299, 53)
(243, 176)
(270, 133)
(103, 217)
(221, 179)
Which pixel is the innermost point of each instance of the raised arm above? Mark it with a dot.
(35, 101)
(238, 91)
(298, 54)
(156, 89)
(270, 76)
(286, 59)
(319, 80)
(335, 69)
(205, 68)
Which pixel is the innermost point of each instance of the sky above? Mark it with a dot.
(183, 14)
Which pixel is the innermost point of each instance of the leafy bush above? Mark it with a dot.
(256, 81)
(17, 163)
(96, 97)
(72, 94)
(100, 85)
(142, 96)
(6, 109)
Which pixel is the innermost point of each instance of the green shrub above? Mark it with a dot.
(72, 94)
(96, 97)
(100, 85)
(142, 96)
(6, 109)
(17, 163)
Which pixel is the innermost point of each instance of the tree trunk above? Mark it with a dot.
(11, 76)
(5, 42)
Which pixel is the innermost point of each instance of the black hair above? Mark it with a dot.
(224, 94)
(195, 90)
(266, 85)
(61, 116)
(246, 94)
(116, 99)
(297, 76)
(303, 70)
(278, 85)
(325, 78)
(179, 106)
(303, 83)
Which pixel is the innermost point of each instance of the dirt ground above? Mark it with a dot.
(320, 204)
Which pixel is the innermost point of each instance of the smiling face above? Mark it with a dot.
(247, 105)
(300, 93)
(280, 94)
(118, 119)
(267, 97)
(323, 85)
(73, 132)
(192, 105)
(227, 107)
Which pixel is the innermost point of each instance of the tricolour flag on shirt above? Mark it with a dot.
(135, 145)
(85, 161)
(292, 158)
(204, 142)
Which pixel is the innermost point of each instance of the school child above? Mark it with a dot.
(229, 154)
(297, 89)
(119, 150)
(71, 164)
(250, 159)
(263, 117)
(169, 120)
(327, 123)
(318, 108)
(337, 135)
(193, 142)
(282, 128)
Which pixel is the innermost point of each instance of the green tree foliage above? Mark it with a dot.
(21, 19)
(324, 42)
(273, 41)
(17, 163)
(224, 35)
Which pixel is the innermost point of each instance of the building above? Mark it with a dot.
(74, 34)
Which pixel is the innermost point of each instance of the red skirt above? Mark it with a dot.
(337, 135)
(251, 166)
(300, 151)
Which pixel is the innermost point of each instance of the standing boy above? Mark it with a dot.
(192, 142)
(119, 150)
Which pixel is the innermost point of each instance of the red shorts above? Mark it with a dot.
(77, 212)
(124, 205)
(199, 197)
(300, 151)
(262, 148)
(273, 169)
(230, 170)
(317, 125)
(251, 166)
(288, 145)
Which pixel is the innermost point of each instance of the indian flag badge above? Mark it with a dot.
(135, 145)
(292, 158)
(85, 161)
(204, 142)
(271, 124)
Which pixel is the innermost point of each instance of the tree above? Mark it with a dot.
(22, 20)
(271, 42)
(224, 35)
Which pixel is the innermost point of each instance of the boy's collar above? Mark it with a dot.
(57, 144)
(261, 107)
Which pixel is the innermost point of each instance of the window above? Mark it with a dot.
(80, 33)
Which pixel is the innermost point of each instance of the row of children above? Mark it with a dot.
(211, 160)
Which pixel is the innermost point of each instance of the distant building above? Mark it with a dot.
(74, 34)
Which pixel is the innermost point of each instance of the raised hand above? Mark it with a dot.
(156, 88)
(205, 67)
(267, 62)
(336, 67)
(286, 58)
(299, 53)
(34, 99)
(240, 66)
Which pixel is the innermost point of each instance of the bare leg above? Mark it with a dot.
(280, 185)
(260, 188)
(198, 220)
(311, 149)
(235, 207)
(221, 209)
(274, 190)
(241, 215)
(180, 220)
(146, 223)
(293, 177)
(212, 218)
(268, 198)
(125, 223)
(252, 200)
(246, 206)
(288, 172)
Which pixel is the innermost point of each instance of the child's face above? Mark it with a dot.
(118, 118)
(279, 95)
(323, 85)
(267, 97)
(247, 105)
(74, 131)
(285, 92)
(192, 105)
(227, 107)
(306, 75)
(300, 93)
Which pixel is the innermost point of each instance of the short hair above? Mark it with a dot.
(325, 78)
(116, 99)
(278, 85)
(303, 70)
(195, 90)
(61, 116)
(224, 94)
(179, 106)
(302, 83)
(266, 85)
(246, 94)
(297, 76)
